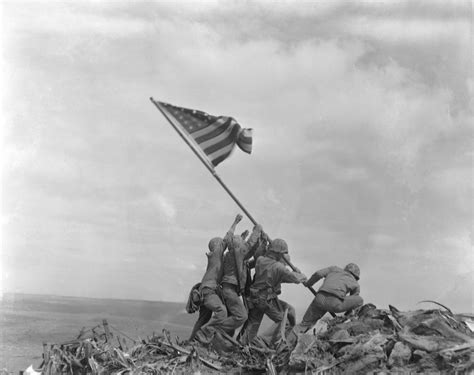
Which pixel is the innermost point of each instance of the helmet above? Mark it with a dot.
(353, 269)
(278, 246)
(215, 243)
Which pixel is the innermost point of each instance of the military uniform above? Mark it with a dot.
(234, 280)
(332, 295)
(210, 288)
(263, 300)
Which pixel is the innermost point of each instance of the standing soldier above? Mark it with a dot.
(332, 295)
(270, 273)
(210, 285)
(235, 277)
(233, 284)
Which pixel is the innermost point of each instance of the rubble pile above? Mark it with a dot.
(387, 340)
(99, 350)
(369, 339)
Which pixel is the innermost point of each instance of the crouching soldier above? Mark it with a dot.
(270, 273)
(209, 287)
(332, 295)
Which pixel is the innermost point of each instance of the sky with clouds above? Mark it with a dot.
(362, 115)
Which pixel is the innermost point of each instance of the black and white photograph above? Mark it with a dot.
(236, 187)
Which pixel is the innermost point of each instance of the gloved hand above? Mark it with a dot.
(265, 236)
(244, 234)
(258, 227)
(302, 278)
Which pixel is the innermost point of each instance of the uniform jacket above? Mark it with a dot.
(235, 272)
(269, 274)
(336, 282)
(214, 271)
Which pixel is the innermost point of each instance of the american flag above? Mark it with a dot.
(216, 136)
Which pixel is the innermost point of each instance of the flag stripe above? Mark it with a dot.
(207, 128)
(226, 133)
(165, 108)
(230, 139)
(214, 137)
(221, 155)
(219, 127)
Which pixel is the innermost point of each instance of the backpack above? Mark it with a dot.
(194, 299)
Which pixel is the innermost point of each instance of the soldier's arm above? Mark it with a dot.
(318, 275)
(287, 260)
(231, 231)
(355, 289)
(250, 245)
(288, 276)
(260, 250)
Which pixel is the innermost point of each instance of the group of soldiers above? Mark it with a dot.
(229, 297)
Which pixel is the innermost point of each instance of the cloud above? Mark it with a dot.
(72, 19)
(165, 206)
(419, 30)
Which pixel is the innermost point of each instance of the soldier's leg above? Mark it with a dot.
(214, 303)
(349, 303)
(237, 312)
(291, 316)
(276, 310)
(204, 316)
(314, 312)
(254, 320)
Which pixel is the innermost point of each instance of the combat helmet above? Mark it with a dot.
(278, 246)
(215, 243)
(353, 269)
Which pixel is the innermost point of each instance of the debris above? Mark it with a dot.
(400, 355)
(368, 340)
(374, 340)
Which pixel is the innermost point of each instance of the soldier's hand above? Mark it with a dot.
(238, 218)
(244, 234)
(304, 280)
(265, 236)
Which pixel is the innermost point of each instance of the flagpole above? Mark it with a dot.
(216, 176)
(205, 162)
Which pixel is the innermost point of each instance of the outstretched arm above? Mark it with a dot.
(251, 244)
(292, 277)
(231, 230)
(318, 275)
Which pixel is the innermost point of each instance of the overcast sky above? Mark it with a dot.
(362, 115)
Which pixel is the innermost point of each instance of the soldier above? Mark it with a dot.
(270, 273)
(210, 284)
(332, 295)
(233, 284)
(235, 277)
